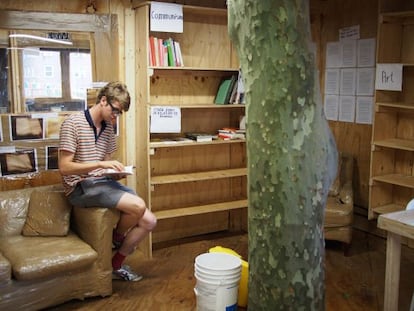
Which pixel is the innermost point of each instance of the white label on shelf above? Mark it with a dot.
(165, 119)
(389, 77)
(166, 17)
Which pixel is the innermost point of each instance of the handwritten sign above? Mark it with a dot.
(165, 119)
(389, 77)
(166, 17)
(347, 33)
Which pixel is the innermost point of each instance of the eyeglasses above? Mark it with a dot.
(115, 111)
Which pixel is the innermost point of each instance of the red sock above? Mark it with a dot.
(117, 260)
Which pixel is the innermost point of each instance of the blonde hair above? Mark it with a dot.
(115, 91)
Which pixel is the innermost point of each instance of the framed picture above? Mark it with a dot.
(51, 157)
(26, 127)
(19, 162)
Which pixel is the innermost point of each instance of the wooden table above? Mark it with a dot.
(397, 224)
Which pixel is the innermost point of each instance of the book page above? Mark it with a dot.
(128, 170)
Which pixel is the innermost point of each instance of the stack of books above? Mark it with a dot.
(200, 137)
(227, 133)
(164, 52)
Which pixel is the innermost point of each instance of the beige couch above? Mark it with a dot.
(42, 263)
(340, 204)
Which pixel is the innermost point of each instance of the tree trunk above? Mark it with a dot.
(292, 157)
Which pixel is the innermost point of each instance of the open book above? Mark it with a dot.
(128, 170)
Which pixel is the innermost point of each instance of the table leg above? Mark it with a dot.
(392, 272)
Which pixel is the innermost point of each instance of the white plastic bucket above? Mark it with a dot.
(234, 271)
(218, 277)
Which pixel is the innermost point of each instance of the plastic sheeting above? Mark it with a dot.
(39, 272)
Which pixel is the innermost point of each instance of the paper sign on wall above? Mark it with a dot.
(165, 119)
(389, 77)
(166, 17)
(347, 33)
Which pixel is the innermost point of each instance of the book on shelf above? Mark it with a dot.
(225, 90)
(172, 140)
(164, 52)
(228, 133)
(237, 96)
(199, 137)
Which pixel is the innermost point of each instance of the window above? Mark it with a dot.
(4, 96)
(42, 74)
(80, 69)
(56, 79)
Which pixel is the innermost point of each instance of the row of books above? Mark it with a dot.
(190, 137)
(225, 133)
(165, 52)
(230, 90)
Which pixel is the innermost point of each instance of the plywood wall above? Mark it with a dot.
(327, 17)
(107, 50)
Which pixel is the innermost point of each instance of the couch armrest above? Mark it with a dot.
(346, 194)
(94, 225)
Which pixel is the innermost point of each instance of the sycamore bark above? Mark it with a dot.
(292, 156)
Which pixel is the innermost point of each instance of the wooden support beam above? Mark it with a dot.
(62, 21)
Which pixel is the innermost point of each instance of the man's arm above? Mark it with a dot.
(68, 167)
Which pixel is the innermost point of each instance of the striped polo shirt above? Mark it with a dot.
(79, 136)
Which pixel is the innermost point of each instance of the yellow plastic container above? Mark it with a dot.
(242, 295)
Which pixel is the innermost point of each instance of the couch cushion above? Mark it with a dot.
(337, 214)
(13, 211)
(48, 214)
(39, 257)
(5, 269)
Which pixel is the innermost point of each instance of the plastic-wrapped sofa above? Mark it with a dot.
(50, 252)
(340, 204)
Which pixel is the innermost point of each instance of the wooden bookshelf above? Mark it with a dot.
(201, 209)
(192, 187)
(198, 176)
(391, 184)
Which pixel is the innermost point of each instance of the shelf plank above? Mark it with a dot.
(198, 176)
(389, 208)
(195, 71)
(398, 14)
(396, 143)
(204, 106)
(396, 179)
(169, 144)
(188, 8)
(201, 209)
(399, 105)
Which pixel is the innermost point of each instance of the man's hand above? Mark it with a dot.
(113, 164)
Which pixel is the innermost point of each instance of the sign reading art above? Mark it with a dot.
(389, 77)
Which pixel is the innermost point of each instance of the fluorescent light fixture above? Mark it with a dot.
(41, 39)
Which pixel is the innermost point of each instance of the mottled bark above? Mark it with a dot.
(292, 156)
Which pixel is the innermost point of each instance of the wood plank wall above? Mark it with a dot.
(107, 47)
(327, 17)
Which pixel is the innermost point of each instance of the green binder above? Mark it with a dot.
(224, 90)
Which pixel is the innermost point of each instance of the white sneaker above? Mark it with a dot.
(125, 273)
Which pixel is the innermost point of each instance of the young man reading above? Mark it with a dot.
(87, 141)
